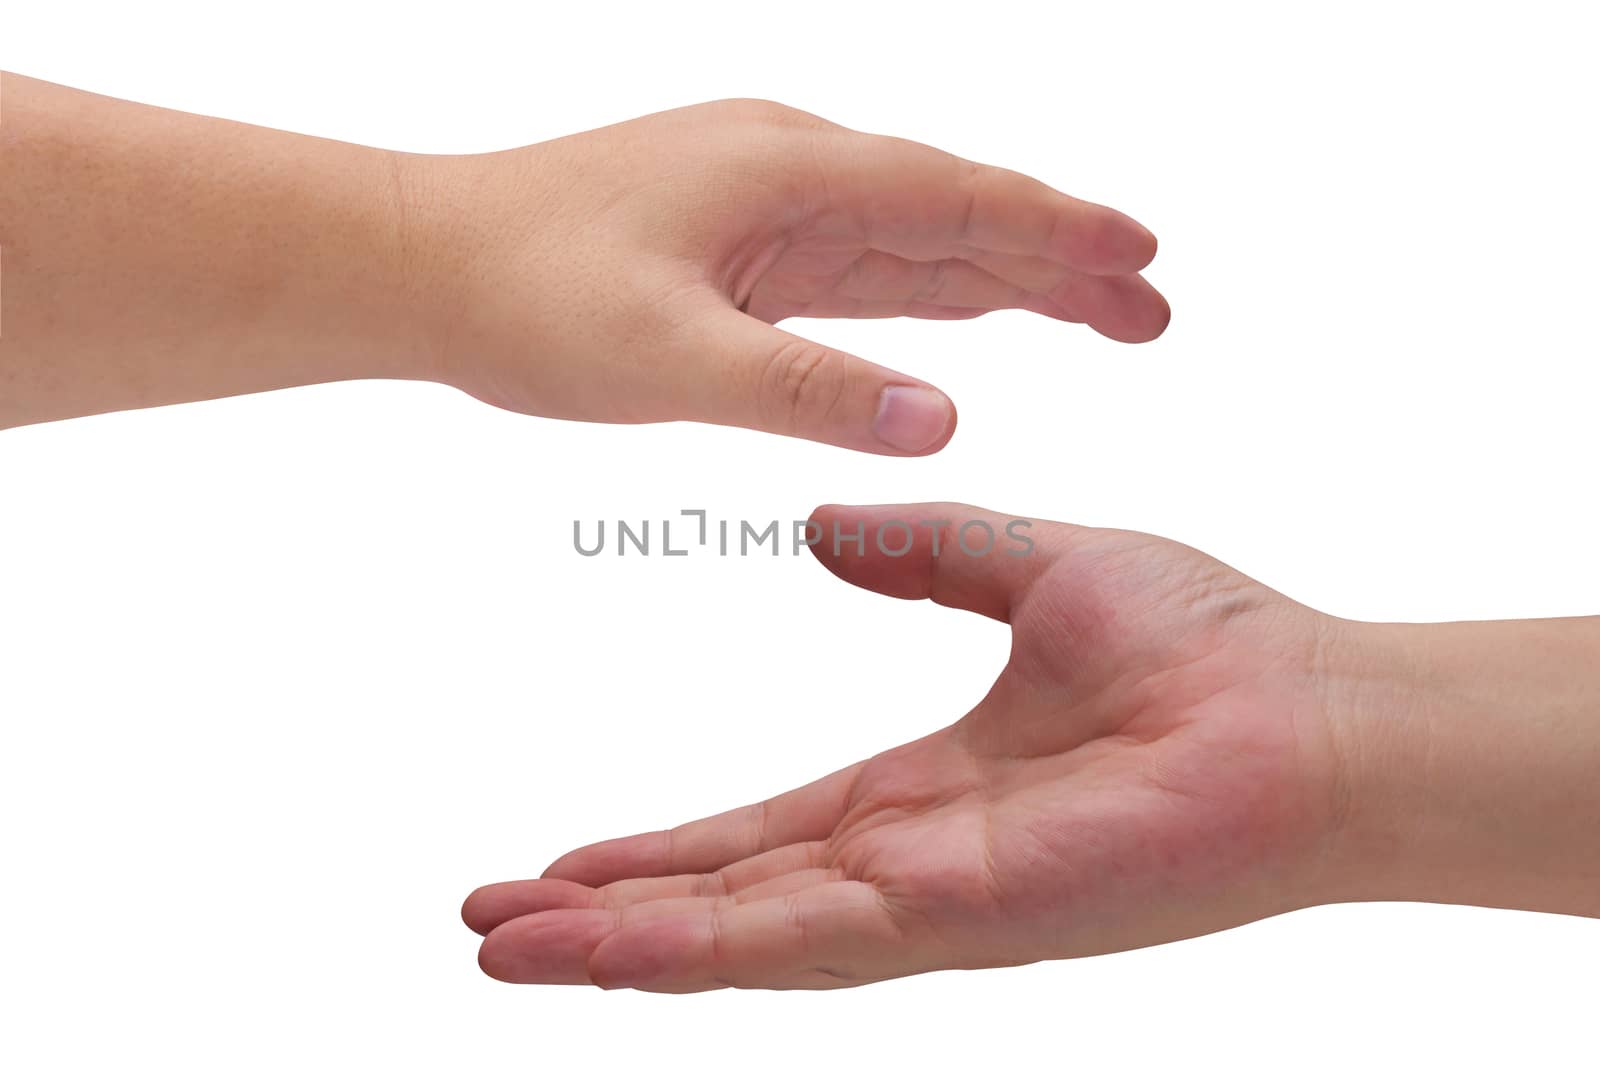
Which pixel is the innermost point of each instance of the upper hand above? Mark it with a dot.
(633, 273)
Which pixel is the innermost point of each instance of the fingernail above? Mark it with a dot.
(911, 417)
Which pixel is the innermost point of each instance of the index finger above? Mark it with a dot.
(825, 936)
(918, 202)
(808, 813)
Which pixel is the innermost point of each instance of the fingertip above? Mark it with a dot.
(634, 856)
(825, 519)
(577, 865)
(1125, 308)
(1162, 320)
(1141, 247)
(563, 867)
(950, 429)
(844, 533)
(1129, 245)
(500, 958)
(819, 514)
(471, 909)
(491, 906)
(549, 948)
(914, 420)
(1154, 322)
(1138, 329)
(1117, 244)
(816, 525)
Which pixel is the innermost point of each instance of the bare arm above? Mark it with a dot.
(153, 257)
(1173, 749)
(627, 274)
(1473, 764)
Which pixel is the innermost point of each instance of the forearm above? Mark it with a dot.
(1473, 765)
(153, 257)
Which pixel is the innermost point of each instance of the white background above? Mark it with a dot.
(283, 677)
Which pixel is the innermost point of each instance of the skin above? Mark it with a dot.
(628, 274)
(1172, 749)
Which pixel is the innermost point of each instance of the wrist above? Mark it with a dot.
(427, 256)
(372, 253)
(467, 231)
(1468, 762)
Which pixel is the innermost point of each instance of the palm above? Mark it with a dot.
(1150, 765)
(839, 225)
(830, 266)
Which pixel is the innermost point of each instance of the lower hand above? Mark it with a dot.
(1172, 749)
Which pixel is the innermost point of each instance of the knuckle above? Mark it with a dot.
(803, 384)
(794, 917)
(969, 182)
(761, 821)
(932, 290)
(757, 110)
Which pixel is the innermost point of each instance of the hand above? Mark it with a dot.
(629, 274)
(632, 273)
(1156, 761)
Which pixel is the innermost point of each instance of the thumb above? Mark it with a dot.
(958, 556)
(764, 378)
